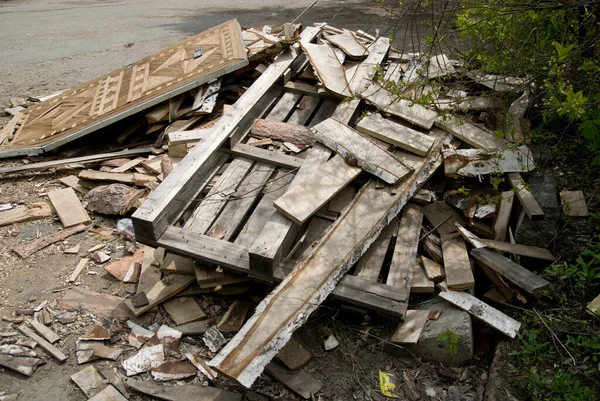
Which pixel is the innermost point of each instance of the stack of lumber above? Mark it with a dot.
(308, 172)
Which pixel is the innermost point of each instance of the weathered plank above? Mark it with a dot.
(68, 207)
(20, 214)
(457, 266)
(502, 218)
(530, 205)
(49, 348)
(78, 269)
(360, 150)
(328, 68)
(216, 199)
(433, 270)
(88, 380)
(313, 279)
(298, 381)
(181, 392)
(515, 273)
(477, 162)
(395, 134)
(316, 228)
(165, 204)
(306, 197)
(304, 111)
(370, 264)
(183, 310)
(517, 249)
(44, 331)
(161, 291)
(443, 216)
(412, 112)
(483, 311)
(420, 282)
(122, 178)
(573, 203)
(360, 78)
(409, 331)
(274, 189)
(32, 247)
(405, 252)
(275, 239)
(470, 133)
(349, 44)
(231, 218)
(265, 156)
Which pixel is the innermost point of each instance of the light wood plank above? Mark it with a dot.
(502, 218)
(477, 162)
(457, 266)
(44, 331)
(304, 111)
(573, 203)
(301, 292)
(328, 68)
(515, 273)
(165, 204)
(130, 164)
(88, 380)
(433, 270)
(405, 250)
(395, 134)
(183, 310)
(275, 158)
(109, 393)
(309, 195)
(443, 216)
(284, 107)
(78, 269)
(210, 207)
(20, 214)
(410, 330)
(482, 311)
(528, 202)
(470, 133)
(517, 249)
(182, 392)
(365, 153)
(68, 207)
(277, 235)
(75, 183)
(349, 44)
(49, 348)
(370, 264)
(360, 78)
(161, 291)
(420, 283)
(412, 112)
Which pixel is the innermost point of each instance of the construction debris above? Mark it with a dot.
(267, 174)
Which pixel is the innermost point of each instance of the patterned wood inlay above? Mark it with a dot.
(110, 97)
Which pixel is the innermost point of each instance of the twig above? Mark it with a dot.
(554, 335)
(305, 10)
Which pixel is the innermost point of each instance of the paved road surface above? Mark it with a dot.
(47, 46)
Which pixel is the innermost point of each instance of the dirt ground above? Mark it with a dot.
(49, 47)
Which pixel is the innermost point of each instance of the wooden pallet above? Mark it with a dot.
(131, 89)
(223, 227)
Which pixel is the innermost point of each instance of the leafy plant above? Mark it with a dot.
(451, 339)
(532, 349)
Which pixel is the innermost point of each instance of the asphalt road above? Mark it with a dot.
(48, 46)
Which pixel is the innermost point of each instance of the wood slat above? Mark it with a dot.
(457, 266)
(573, 203)
(68, 207)
(528, 202)
(328, 68)
(502, 217)
(470, 133)
(370, 264)
(276, 158)
(405, 251)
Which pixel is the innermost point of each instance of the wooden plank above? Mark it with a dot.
(284, 107)
(420, 283)
(443, 216)
(183, 310)
(313, 279)
(161, 291)
(75, 183)
(305, 109)
(483, 312)
(229, 222)
(122, 178)
(181, 392)
(477, 162)
(129, 165)
(433, 270)
(78, 269)
(109, 393)
(276, 187)
(349, 44)
(44, 331)
(370, 264)
(573, 203)
(32, 247)
(410, 330)
(212, 204)
(234, 318)
(457, 266)
(309, 195)
(316, 227)
(49, 348)
(165, 204)
(68, 207)
(133, 88)
(277, 235)
(405, 251)
(275, 158)
(412, 112)
(395, 134)
(528, 202)
(20, 214)
(191, 136)
(360, 150)
(88, 380)
(360, 78)
(280, 131)
(502, 218)
(75, 160)
(517, 249)
(470, 133)
(299, 382)
(328, 68)
(515, 273)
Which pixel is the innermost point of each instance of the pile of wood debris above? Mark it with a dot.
(293, 162)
